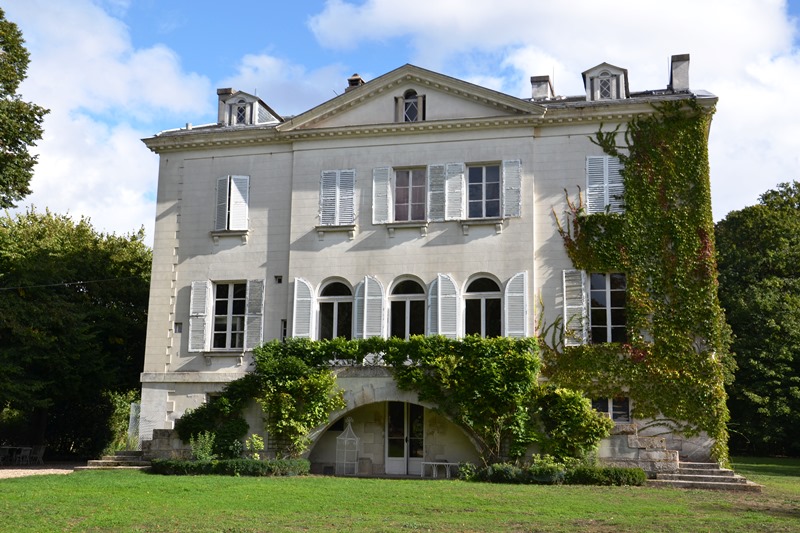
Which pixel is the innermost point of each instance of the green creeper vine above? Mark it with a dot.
(673, 365)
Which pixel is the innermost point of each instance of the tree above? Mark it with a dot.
(20, 122)
(759, 265)
(73, 306)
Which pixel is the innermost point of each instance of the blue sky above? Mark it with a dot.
(115, 71)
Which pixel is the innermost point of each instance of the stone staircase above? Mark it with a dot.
(127, 460)
(707, 476)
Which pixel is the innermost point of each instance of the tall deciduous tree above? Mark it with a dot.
(20, 122)
(759, 266)
(73, 306)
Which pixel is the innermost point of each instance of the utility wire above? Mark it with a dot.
(65, 284)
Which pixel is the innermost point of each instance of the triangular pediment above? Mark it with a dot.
(439, 98)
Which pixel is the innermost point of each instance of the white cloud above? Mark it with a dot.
(104, 96)
(742, 51)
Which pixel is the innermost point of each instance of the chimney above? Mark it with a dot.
(679, 73)
(354, 82)
(222, 95)
(542, 88)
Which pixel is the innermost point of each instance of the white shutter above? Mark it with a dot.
(448, 306)
(433, 308)
(303, 309)
(239, 192)
(358, 311)
(381, 195)
(254, 314)
(199, 301)
(595, 184)
(368, 309)
(421, 107)
(574, 292)
(516, 305)
(346, 205)
(328, 197)
(512, 188)
(221, 220)
(436, 195)
(616, 186)
(454, 191)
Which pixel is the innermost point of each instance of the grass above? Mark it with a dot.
(135, 501)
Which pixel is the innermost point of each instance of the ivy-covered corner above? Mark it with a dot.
(674, 362)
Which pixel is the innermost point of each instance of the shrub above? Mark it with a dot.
(504, 473)
(231, 467)
(605, 475)
(203, 446)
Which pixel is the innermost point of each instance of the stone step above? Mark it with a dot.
(748, 486)
(703, 466)
(89, 467)
(719, 472)
(699, 477)
(116, 462)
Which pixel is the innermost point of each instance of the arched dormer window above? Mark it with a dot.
(241, 112)
(410, 107)
(605, 86)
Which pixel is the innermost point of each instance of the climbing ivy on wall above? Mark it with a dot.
(674, 363)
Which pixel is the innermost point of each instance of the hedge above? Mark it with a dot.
(231, 467)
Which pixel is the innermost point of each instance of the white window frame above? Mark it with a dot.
(202, 315)
(337, 198)
(613, 408)
(605, 187)
(606, 291)
(405, 300)
(336, 302)
(232, 199)
(483, 298)
(482, 200)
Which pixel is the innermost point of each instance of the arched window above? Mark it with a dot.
(336, 311)
(407, 311)
(241, 112)
(483, 306)
(605, 85)
(411, 106)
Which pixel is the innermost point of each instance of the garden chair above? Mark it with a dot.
(37, 455)
(24, 456)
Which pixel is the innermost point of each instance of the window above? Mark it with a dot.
(605, 187)
(617, 409)
(605, 86)
(226, 315)
(483, 191)
(482, 308)
(409, 195)
(232, 198)
(410, 107)
(229, 312)
(241, 112)
(336, 311)
(337, 198)
(407, 310)
(607, 308)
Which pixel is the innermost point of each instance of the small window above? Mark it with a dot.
(336, 311)
(607, 308)
(483, 308)
(407, 310)
(617, 409)
(484, 191)
(410, 107)
(241, 112)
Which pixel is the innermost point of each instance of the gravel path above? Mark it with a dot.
(37, 470)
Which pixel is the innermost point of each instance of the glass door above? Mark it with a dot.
(405, 433)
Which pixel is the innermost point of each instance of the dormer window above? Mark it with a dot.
(606, 82)
(241, 112)
(410, 107)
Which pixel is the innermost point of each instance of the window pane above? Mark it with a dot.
(598, 298)
(418, 195)
(401, 178)
(475, 209)
(492, 191)
(401, 195)
(475, 192)
(416, 325)
(222, 290)
(219, 340)
(238, 307)
(418, 212)
(401, 212)
(598, 282)
(493, 208)
(599, 317)
(240, 290)
(618, 317)
(619, 334)
(221, 308)
(336, 289)
(344, 325)
(473, 317)
(398, 320)
(326, 320)
(483, 285)
(237, 340)
(493, 174)
(493, 323)
(600, 404)
(617, 298)
(618, 282)
(475, 175)
(621, 409)
(599, 335)
(408, 287)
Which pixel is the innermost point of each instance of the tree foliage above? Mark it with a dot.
(20, 121)
(759, 264)
(73, 306)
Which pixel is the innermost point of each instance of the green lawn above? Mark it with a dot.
(135, 501)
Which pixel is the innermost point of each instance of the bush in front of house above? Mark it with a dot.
(545, 470)
(231, 467)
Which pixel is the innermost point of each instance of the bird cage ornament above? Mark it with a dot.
(347, 451)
